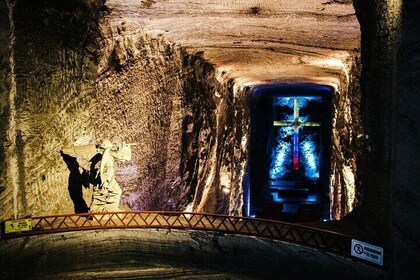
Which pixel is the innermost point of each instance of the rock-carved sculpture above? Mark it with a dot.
(106, 192)
(107, 195)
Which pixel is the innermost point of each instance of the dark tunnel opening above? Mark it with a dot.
(290, 151)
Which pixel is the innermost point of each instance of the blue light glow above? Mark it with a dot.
(290, 147)
(288, 101)
(247, 194)
(311, 159)
(303, 146)
(282, 151)
(312, 198)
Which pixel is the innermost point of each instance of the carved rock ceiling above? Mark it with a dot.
(255, 41)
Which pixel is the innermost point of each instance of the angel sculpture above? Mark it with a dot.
(106, 191)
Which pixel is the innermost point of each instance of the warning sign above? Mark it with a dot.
(17, 225)
(367, 251)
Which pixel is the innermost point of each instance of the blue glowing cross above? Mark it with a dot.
(296, 125)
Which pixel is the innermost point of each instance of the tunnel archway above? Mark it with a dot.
(290, 152)
(380, 184)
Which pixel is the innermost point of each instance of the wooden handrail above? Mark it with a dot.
(321, 239)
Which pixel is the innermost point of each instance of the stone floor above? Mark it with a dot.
(170, 254)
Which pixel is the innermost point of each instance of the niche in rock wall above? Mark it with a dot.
(290, 149)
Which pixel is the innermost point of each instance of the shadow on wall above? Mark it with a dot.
(79, 178)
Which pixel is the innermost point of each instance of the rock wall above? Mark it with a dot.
(84, 74)
(380, 26)
(152, 92)
(347, 142)
(80, 79)
(406, 192)
(6, 193)
(139, 93)
(54, 72)
(390, 55)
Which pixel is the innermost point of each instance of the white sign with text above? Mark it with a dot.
(367, 251)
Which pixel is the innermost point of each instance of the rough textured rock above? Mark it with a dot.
(347, 144)
(139, 96)
(405, 192)
(380, 39)
(150, 91)
(65, 96)
(259, 46)
(5, 191)
(173, 76)
(170, 254)
(55, 71)
(390, 96)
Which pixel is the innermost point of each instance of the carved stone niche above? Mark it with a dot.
(290, 148)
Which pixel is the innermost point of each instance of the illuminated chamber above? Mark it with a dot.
(289, 153)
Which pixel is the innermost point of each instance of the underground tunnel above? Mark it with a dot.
(289, 158)
(261, 113)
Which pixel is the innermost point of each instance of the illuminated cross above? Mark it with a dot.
(296, 125)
